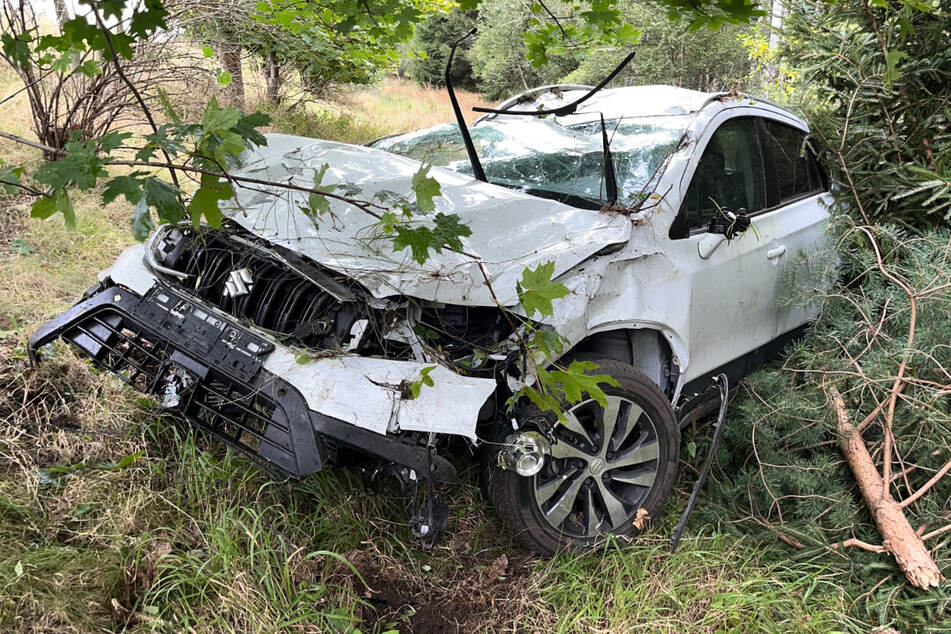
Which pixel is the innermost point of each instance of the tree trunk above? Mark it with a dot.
(776, 24)
(898, 537)
(62, 12)
(231, 60)
(272, 73)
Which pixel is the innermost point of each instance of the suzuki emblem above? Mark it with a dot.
(239, 283)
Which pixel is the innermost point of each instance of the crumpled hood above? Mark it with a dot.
(510, 230)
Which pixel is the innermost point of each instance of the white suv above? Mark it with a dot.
(296, 338)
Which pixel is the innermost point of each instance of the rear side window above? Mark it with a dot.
(730, 175)
(795, 169)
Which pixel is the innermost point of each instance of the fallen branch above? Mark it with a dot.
(927, 485)
(898, 537)
(936, 532)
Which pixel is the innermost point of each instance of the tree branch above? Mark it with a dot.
(135, 91)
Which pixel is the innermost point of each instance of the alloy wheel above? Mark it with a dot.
(602, 466)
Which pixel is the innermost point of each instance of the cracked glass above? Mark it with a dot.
(547, 157)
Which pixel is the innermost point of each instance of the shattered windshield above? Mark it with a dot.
(543, 157)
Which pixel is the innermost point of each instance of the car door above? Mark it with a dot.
(800, 200)
(733, 282)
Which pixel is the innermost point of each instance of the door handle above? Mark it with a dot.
(774, 253)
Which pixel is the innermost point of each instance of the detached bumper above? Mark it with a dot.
(250, 392)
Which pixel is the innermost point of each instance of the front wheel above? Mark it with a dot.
(610, 469)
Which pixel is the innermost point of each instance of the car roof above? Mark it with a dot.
(630, 102)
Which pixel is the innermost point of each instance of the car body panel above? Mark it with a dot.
(505, 242)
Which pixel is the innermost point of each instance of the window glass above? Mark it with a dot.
(796, 172)
(729, 176)
(552, 157)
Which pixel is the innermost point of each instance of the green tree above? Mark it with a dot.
(499, 55)
(873, 79)
(434, 38)
(670, 52)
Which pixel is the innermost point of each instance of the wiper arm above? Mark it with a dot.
(610, 178)
(567, 109)
(477, 170)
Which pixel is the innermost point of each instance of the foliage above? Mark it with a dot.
(498, 55)
(780, 466)
(73, 80)
(432, 42)
(875, 82)
(668, 52)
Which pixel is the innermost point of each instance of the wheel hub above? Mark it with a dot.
(602, 466)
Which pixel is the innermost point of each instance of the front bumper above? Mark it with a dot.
(250, 391)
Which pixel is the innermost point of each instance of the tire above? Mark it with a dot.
(631, 472)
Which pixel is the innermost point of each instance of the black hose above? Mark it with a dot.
(724, 386)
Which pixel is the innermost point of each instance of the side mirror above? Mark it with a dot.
(729, 223)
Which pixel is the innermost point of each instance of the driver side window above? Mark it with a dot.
(729, 175)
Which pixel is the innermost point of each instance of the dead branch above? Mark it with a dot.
(898, 537)
(927, 485)
(936, 532)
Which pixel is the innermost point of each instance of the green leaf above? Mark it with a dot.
(424, 379)
(112, 140)
(892, 58)
(318, 203)
(57, 203)
(128, 460)
(164, 197)
(206, 51)
(246, 128)
(536, 291)
(215, 120)
(575, 382)
(167, 106)
(426, 188)
(127, 185)
(446, 233)
(9, 178)
(142, 224)
(205, 201)
(19, 246)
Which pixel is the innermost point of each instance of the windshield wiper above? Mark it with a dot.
(477, 170)
(610, 178)
(561, 111)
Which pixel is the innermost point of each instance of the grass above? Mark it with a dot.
(115, 518)
(361, 116)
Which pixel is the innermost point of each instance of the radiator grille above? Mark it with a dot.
(278, 298)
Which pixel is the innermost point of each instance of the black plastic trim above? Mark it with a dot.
(293, 437)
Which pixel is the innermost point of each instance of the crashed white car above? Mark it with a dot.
(295, 338)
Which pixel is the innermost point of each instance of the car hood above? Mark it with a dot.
(510, 230)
